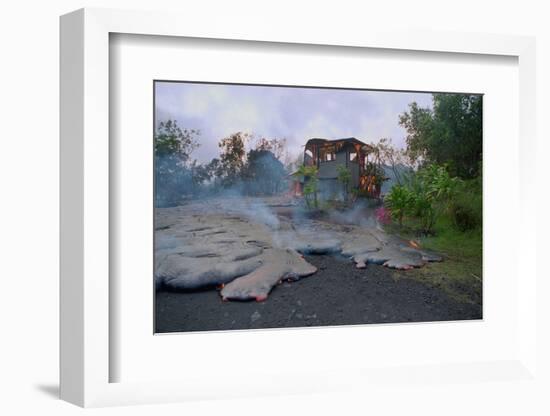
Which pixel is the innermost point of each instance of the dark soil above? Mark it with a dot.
(338, 294)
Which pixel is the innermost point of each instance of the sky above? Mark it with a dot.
(297, 114)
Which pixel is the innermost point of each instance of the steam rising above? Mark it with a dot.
(249, 244)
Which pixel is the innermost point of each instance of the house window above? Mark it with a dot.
(327, 154)
(353, 156)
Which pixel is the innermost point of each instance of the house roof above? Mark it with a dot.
(353, 140)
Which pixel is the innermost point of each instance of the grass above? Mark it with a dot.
(460, 273)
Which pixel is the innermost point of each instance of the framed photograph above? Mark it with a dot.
(249, 199)
(285, 212)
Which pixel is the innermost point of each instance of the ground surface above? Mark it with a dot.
(247, 250)
(338, 294)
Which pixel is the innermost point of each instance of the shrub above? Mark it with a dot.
(425, 209)
(383, 216)
(398, 201)
(438, 184)
(431, 193)
(435, 191)
(466, 208)
(311, 185)
(344, 177)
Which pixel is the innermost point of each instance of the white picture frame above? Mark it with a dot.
(85, 210)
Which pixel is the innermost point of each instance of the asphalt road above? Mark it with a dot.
(338, 294)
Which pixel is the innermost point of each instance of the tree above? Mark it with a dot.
(311, 185)
(200, 175)
(450, 134)
(418, 123)
(344, 177)
(396, 159)
(263, 173)
(232, 157)
(427, 194)
(174, 142)
(173, 149)
(214, 169)
(398, 201)
(275, 146)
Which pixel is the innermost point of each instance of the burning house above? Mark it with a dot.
(359, 158)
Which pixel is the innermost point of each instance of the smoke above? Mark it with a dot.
(256, 195)
(254, 209)
(176, 182)
(361, 214)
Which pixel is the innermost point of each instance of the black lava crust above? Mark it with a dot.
(338, 294)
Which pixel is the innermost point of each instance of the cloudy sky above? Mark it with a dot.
(296, 114)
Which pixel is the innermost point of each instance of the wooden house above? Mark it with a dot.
(358, 157)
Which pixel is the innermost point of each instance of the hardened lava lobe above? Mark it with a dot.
(248, 247)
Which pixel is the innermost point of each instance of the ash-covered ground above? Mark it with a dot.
(240, 263)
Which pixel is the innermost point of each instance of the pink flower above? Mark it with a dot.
(382, 215)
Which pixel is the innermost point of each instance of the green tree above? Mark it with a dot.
(344, 177)
(449, 134)
(440, 186)
(174, 142)
(399, 202)
(311, 185)
(427, 194)
(232, 157)
(173, 149)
